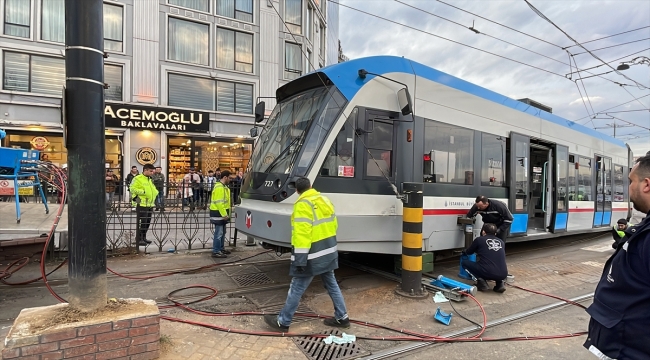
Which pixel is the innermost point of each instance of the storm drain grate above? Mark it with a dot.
(240, 270)
(316, 349)
(252, 279)
(275, 309)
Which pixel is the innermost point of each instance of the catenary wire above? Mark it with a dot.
(540, 14)
(611, 46)
(609, 36)
(447, 39)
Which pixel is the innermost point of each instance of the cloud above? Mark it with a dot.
(362, 35)
(580, 100)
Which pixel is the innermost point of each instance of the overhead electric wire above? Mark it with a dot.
(609, 36)
(447, 39)
(540, 14)
(505, 26)
(612, 46)
(584, 88)
(613, 107)
(474, 30)
(611, 61)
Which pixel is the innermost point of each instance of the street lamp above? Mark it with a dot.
(636, 61)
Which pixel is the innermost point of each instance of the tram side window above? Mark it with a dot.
(493, 154)
(584, 180)
(380, 146)
(340, 158)
(619, 185)
(448, 154)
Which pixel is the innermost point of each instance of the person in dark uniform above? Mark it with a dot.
(493, 212)
(620, 313)
(492, 259)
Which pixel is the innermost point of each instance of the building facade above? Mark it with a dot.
(183, 75)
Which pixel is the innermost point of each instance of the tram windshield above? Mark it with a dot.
(302, 121)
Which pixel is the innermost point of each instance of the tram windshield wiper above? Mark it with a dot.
(285, 152)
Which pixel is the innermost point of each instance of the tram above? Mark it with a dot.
(360, 129)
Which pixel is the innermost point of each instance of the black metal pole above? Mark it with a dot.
(84, 68)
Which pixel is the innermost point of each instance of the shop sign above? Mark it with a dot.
(155, 118)
(146, 155)
(7, 187)
(39, 142)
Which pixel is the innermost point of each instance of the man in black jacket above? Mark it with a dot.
(620, 313)
(492, 259)
(493, 212)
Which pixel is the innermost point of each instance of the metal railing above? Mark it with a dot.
(180, 220)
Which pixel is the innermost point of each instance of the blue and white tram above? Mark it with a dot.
(358, 135)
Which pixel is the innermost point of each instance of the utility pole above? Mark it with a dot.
(84, 69)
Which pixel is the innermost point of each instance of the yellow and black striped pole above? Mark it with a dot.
(411, 285)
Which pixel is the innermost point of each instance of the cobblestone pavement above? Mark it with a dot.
(562, 267)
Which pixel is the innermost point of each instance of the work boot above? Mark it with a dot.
(343, 323)
(500, 288)
(227, 252)
(272, 321)
(482, 285)
(219, 255)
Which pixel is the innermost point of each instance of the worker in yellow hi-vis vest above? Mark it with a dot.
(220, 214)
(618, 232)
(313, 252)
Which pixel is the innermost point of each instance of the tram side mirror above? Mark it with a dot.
(260, 108)
(404, 100)
(254, 132)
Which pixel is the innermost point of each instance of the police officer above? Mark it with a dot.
(492, 259)
(313, 252)
(493, 212)
(620, 313)
(143, 198)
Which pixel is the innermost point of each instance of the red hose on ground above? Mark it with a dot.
(412, 336)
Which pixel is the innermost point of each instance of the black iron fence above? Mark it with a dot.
(180, 218)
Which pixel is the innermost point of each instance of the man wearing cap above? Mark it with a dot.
(618, 232)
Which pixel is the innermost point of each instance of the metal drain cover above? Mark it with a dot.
(316, 349)
(252, 279)
(274, 309)
(240, 270)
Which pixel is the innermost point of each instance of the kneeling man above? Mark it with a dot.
(491, 264)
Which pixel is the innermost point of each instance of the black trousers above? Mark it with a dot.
(478, 271)
(144, 220)
(504, 235)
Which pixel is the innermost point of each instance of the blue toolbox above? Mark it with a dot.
(18, 166)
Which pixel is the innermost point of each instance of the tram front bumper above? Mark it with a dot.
(269, 227)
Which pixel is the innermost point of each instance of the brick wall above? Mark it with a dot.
(135, 339)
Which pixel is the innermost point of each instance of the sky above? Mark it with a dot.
(365, 35)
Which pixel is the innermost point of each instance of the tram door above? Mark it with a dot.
(603, 198)
(560, 205)
(519, 182)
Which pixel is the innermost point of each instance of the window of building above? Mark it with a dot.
(293, 15)
(451, 150)
(189, 41)
(308, 66)
(292, 61)
(200, 93)
(53, 20)
(234, 50)
(200, 5)
(310, 23)
(17, 17)
(113, 77)
(32, 73)
(113, 36)
(493, 161)
(584, 180)
(340, 158)
(236, 9)
(619, 185)
(321, 45)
